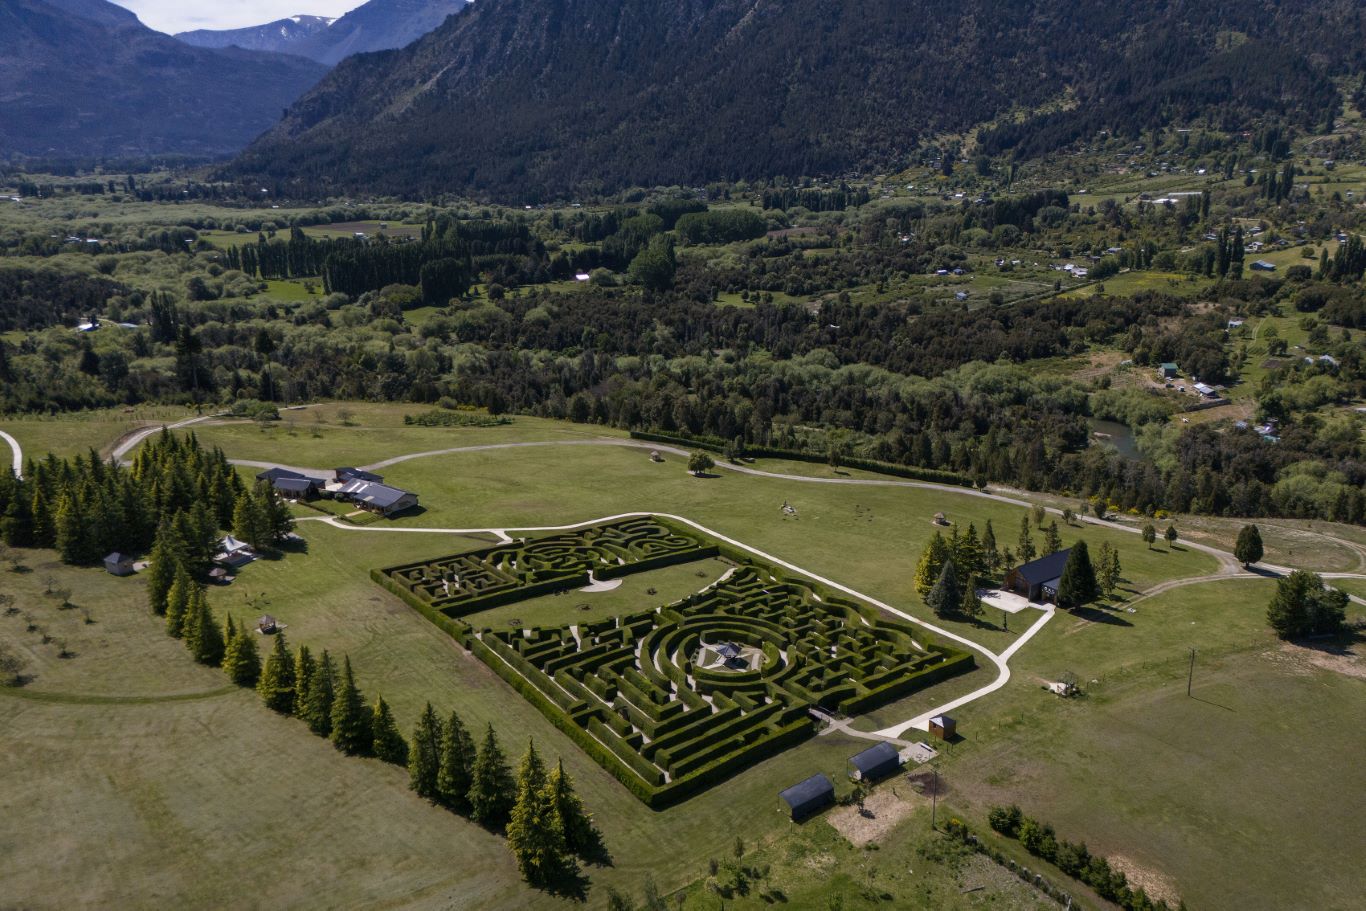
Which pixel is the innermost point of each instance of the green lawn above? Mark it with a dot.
(1201, 789)
(78, 432)
(129, 751)
(1134, 768)
(578, 607)
(293, 290)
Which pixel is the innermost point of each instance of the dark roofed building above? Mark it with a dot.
(356, 474)
(275, 474)
(809, 797)
(875, 762)
(1038, 580)
(117, 564)
(379, 498)
(298, 488)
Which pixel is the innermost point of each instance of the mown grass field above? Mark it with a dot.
(1225, 792)
(76, 433)
(1202, 792)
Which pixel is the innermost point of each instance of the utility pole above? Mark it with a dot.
(934, 799)
(1190, 675)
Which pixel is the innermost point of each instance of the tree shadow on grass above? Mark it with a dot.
(569, 883)
(1097, 615)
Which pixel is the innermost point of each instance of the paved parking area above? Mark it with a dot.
(1009, 602)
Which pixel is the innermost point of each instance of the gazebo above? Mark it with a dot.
(940, 519)
(267, 625)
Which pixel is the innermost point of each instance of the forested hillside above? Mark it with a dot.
(82, 78)
(532, 98)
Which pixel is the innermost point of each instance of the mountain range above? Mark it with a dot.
(282, 36)
(522, 98)
(378, 25)
(83, 78)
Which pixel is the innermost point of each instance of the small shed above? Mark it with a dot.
(875, 763)
(267, 625)
(117, 564)
(940, 519)
(655, 456)
(1167, 371)
(943, 727)
(809, 797)
(220, 576)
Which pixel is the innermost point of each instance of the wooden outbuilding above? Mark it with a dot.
(267, 625)
(943, 727)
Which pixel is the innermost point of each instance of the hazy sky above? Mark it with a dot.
(183, 15)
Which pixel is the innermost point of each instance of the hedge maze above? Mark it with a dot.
(675, 698)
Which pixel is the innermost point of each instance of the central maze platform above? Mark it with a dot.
(674, 698)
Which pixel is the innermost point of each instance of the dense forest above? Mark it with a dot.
(688, 93)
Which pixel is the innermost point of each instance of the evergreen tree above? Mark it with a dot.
(1149, 535)
(968, 553)
(388, 744)
(1248, 550)
(276, 685)
(1107, 569)
(536, 844)
(989, 548)
(1078, 583)
(317, 707)
(424, 755)
(70, 531)
(970, 605)
(178, 601)
(167, 557)
(304, 671)
(1171, 535)
(1052, 540)
(248, 523)
(351, 732)
(203, 635)
(241, 660)
(567, 815)
(457, 758)
(491, 786)
(931, 564)
(1304, 606)
(1025, 550)
(44, 530)
(947, 594)
(279, 521)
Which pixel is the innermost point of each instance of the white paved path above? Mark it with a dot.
(920, 722)
(18, 462)
(1228, 565)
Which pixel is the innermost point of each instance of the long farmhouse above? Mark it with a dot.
(365, 489)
